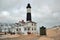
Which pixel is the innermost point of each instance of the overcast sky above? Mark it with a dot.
(44, 12)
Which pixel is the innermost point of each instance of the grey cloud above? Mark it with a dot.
(44, 12)
(9, 4)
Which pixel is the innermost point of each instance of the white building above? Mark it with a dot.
(26, 27)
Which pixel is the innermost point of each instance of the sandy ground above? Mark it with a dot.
(23, 37)
(45, 38)
(52, 34)
(8, 36)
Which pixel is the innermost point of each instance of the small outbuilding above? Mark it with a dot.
(42, 30)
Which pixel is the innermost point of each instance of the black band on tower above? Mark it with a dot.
(28, 16)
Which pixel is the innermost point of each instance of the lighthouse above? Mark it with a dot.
(28, 18)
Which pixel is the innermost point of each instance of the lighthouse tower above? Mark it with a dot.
(30, 25)
(28, 18)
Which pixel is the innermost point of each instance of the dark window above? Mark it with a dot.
(32, 24)
(28, 28)
(32, 28)
(24, 28)
(16, 29)
(20, 29)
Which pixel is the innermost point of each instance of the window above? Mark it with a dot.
(20, 29)
(24, 28)
(32, 24)
(16, 29)
(32, 28)
(28, 28)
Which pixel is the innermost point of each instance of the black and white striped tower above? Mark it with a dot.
(28, 13)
